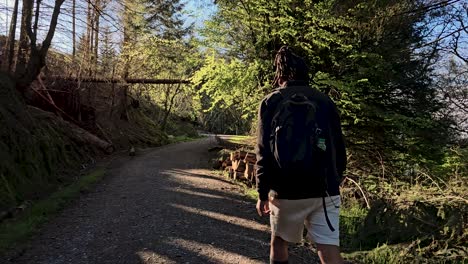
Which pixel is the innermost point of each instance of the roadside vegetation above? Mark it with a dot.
(390, 221)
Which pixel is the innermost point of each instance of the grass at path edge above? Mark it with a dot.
(17, 230)
(20, 229)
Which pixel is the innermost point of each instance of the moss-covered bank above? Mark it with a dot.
(36, 151)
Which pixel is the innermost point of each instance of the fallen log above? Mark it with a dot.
(226, 163)
(250, 158)
(238, 175)
(238, 155)
(233, 156)
(240, 166)
(249, 172)
(116, 80)
(242, 154)
(77, 134)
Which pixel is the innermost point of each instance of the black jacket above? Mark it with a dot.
(269, 175)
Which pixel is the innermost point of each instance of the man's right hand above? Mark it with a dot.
(263, 208)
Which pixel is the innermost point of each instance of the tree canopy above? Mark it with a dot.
(371, 57)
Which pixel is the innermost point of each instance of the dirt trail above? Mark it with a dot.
(162, 206)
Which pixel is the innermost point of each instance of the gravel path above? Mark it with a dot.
(162, 206)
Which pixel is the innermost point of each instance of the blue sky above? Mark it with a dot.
(195, 12)
(199, 11)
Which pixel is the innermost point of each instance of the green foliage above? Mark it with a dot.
(361, 53)
(227, 95)
(163, 59)
(164, 18)
(352, 216)
(455, 163)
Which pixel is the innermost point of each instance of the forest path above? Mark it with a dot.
(162, 206)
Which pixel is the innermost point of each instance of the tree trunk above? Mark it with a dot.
(24, 43)
(97, 14)
(74, 28)
(168, 104)
(126, 38)
(36, 16)
(10, 47)
(89, 41)
(126, 57)
(28, 70)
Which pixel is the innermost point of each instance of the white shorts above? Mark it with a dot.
(288, 218)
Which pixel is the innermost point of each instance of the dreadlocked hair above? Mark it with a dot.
(289, 66)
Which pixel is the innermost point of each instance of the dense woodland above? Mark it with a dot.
(83, 78)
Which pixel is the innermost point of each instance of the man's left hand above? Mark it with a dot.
(263, 208)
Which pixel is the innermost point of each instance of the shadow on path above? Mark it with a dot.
(161, 207)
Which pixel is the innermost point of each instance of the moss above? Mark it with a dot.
(32, 149)
(143, 130)
(384, 254)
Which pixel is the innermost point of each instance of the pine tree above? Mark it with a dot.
(165, 18)
(108, 53)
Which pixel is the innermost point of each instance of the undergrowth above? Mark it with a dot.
(406, 223)
(419, 218)
(144, 129)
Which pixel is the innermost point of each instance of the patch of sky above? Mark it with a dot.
(195, 13)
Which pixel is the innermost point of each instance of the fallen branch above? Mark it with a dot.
(360, 189)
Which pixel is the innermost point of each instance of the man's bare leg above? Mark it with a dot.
(329, 254)
(278, 250)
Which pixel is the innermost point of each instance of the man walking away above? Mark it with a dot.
(301, 158)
